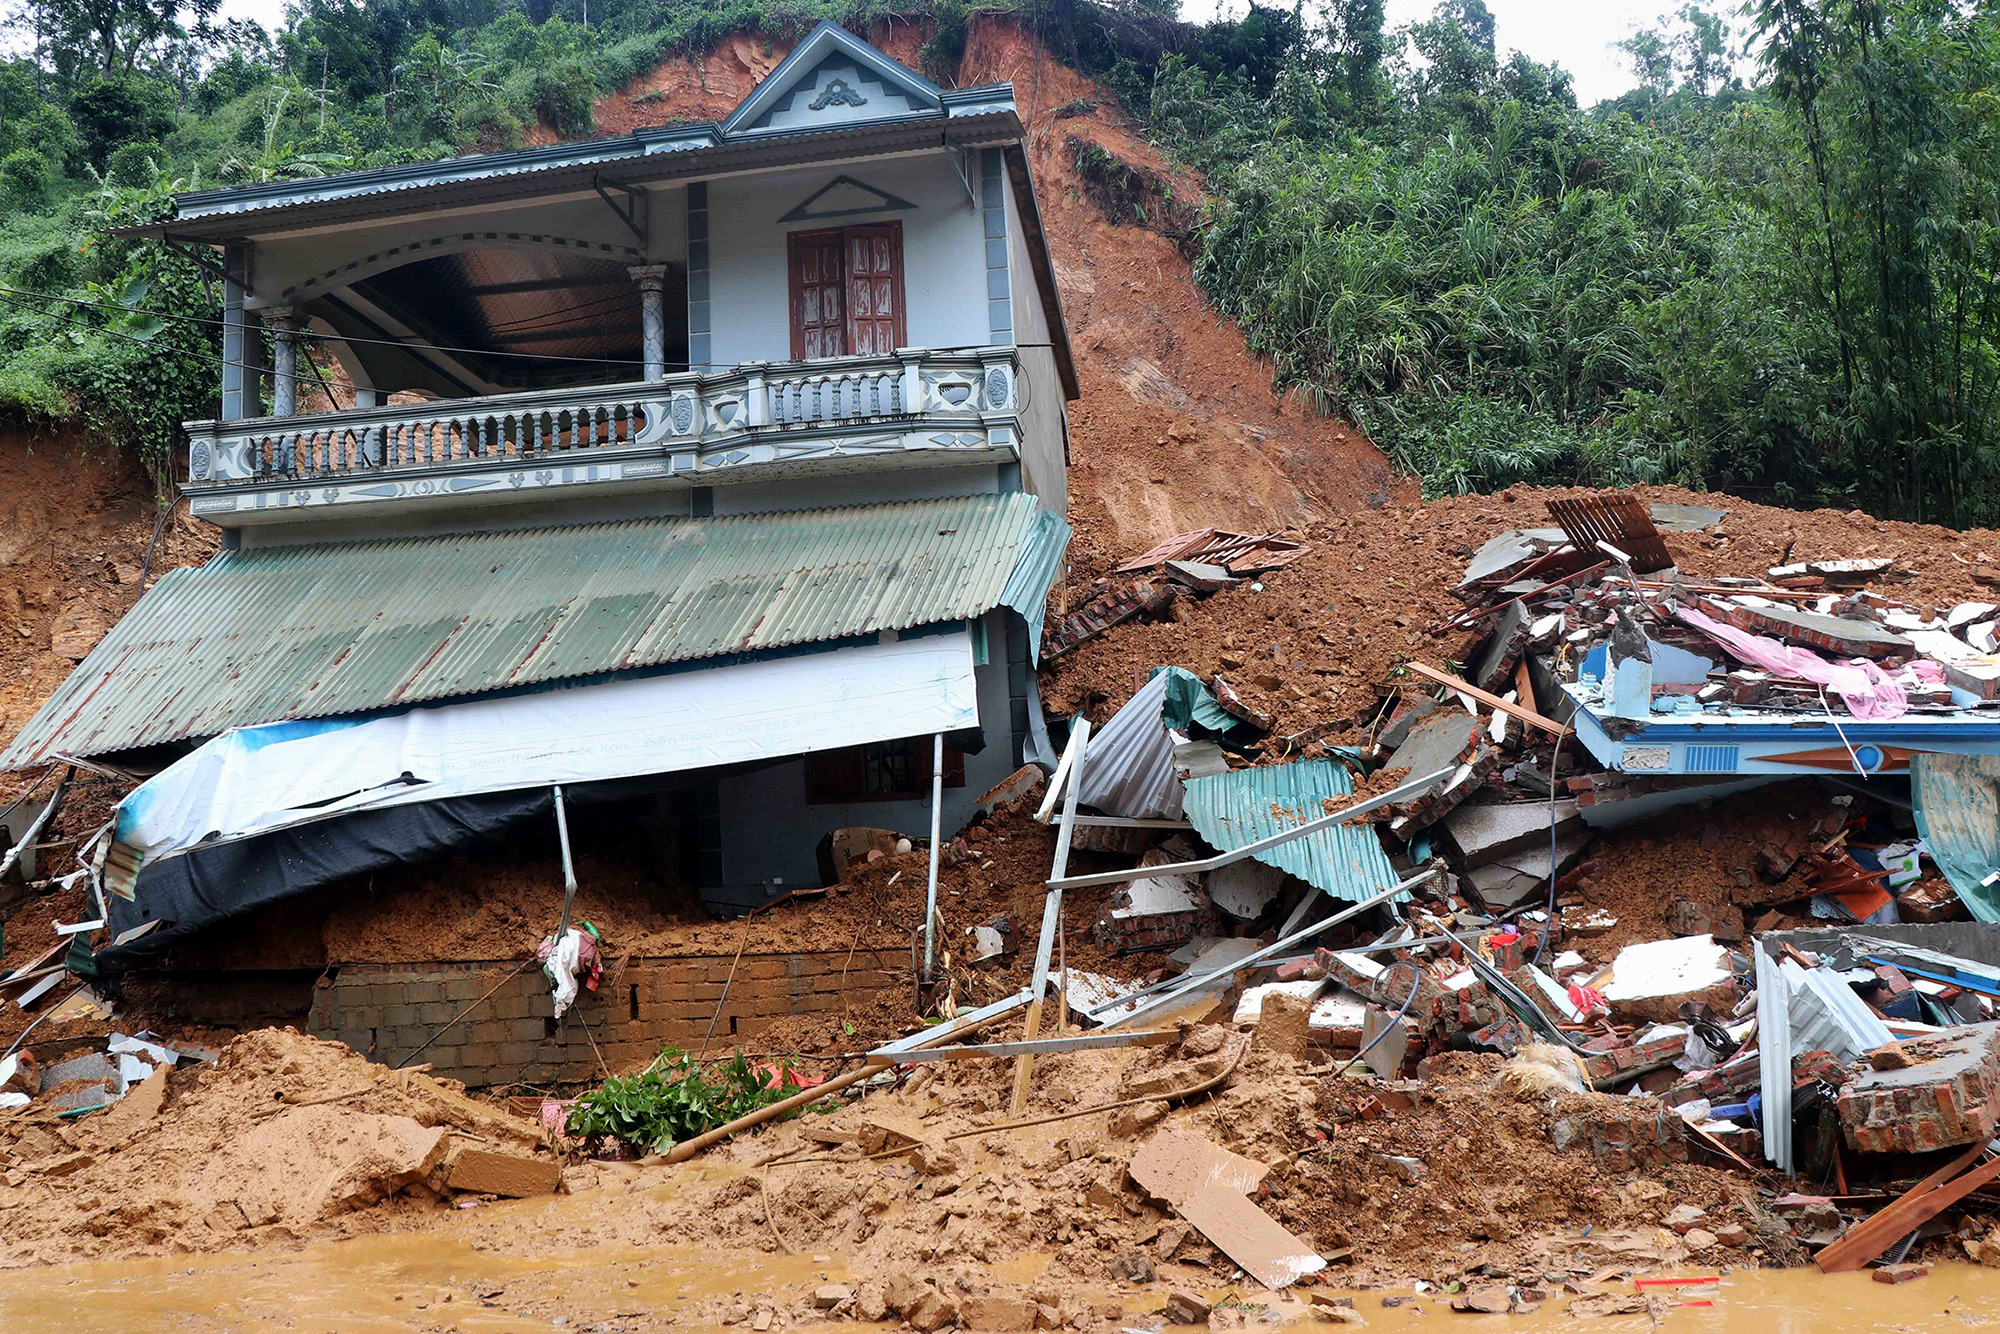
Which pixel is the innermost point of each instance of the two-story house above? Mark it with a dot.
(724, 460)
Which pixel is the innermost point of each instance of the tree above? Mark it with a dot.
(114, 38)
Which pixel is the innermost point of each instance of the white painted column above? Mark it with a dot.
(652, 280)
(235, 330)
(284, 322)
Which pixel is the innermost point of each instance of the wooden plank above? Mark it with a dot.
(1491, 701)
(1251, 1237)
(1176, 1163)
(1937, 1192)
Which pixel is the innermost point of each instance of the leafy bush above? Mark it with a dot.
(673, 1099)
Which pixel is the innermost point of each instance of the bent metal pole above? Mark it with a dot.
(930, 898)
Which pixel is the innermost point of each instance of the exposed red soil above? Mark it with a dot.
(75, 519)
(1324, 629)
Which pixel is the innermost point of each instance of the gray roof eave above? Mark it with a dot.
(643, 157)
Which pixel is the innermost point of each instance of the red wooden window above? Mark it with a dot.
(847, 291)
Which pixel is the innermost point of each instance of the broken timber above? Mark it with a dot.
(878, 1060)
(1490, 700)
(1925, 1201)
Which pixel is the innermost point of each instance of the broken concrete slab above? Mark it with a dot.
(1513, 879)
(1250, 1009)
(1244, 889)
(1652, 979)
(1481, 832)
(1493, 669)
(1948, 1094)
(1839, 635)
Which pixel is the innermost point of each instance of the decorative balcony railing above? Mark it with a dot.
(757, 412)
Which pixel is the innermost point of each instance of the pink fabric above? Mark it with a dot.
(1869, 691)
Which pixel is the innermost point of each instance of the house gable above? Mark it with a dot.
(842, 197)
(833, 79)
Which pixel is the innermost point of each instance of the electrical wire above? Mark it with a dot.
(1416, 985)
(19, 295)
(23, 798)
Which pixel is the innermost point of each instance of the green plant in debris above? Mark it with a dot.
(673, 1099)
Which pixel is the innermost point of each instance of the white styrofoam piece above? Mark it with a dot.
(1673, 967)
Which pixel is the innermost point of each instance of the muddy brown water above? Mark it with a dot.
(427, 1282)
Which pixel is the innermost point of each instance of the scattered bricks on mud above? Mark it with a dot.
(1615, 1064)
(1900, 1273)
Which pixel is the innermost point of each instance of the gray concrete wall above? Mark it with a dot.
(1044, 412)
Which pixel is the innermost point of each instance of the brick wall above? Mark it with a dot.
(387, 1011)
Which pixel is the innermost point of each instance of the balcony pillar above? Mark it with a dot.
(913, 377)
(235, 333)
(365, 397)
(652, 280)
(285, 324)
(756, 394)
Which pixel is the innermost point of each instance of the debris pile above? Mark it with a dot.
(276, 1137)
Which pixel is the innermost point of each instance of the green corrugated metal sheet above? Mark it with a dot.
(1958, 815)
(272, 633)
(1244, 805)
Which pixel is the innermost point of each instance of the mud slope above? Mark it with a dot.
(75, 519)
(1177, 427)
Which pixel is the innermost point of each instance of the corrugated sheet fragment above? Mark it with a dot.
(270, 633)
(1958, 814)
(1128, 767)
(1233, 809)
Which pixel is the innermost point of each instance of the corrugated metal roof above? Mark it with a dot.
(1128, 768)
(273, 633)
(1244, 805)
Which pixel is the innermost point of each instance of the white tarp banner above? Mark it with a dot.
(258, 779)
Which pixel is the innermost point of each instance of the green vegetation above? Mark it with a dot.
(1771, 268)
(674, 1099)
(1790, 290)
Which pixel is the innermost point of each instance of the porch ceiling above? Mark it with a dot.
(268, 634)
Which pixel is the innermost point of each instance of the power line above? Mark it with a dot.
(405, 344)
(8, 294)
(409, 345)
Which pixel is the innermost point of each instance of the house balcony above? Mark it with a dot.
(759, 421)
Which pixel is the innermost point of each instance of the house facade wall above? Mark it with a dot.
(1044, 410)
(771, 833)
(944, 274)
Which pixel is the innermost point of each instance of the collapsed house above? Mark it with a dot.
(717, 470)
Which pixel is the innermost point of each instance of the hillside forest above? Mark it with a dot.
(1773, 268)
